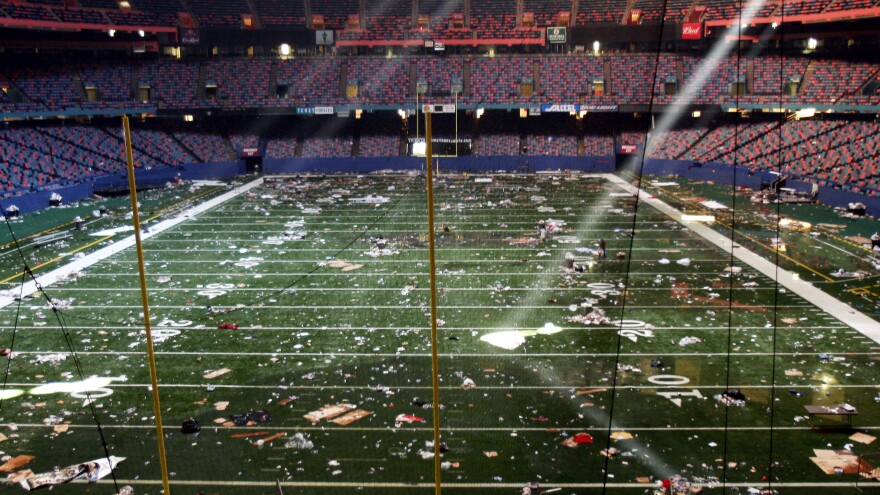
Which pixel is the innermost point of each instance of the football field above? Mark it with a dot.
(293, 322)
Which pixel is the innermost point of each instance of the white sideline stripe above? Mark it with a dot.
(118, 246)
(833, 306)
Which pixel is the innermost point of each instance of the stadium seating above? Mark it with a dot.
(164, 11)
(219, 12)
(280, 12)
(630, 76)
(379, 145)
(241, 84)
(173, 84)
(600, 11)
(498, 145)
(326, 147)
(55, 88)
(439, 74)
(387, 19)
(335, 12)
(206, 146)
(380, 80)
(498, 79)
(113, 81)
(311, 81)
(569, 79)
(598, 145)
(281, 147)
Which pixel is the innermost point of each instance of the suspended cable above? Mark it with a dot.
(68, 339)
(732, 259)
(776, 285)
(626, 273)
(12, 340)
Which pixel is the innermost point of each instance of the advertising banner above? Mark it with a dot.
(691, 31)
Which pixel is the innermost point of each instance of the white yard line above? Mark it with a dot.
(833, 306)
(450, 354)
(92, 258)
(418, 307)
(446, 329)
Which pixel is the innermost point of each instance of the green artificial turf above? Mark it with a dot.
(311, 334)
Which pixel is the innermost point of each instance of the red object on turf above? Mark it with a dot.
(408, 418)
(228, 326)
(583, 438)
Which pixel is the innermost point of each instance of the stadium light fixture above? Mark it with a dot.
(480, 112)
(141, 33)
(596, 46)
(188, 118)
(284, 50)
(402, 113)
(111, 32)
(812, 43)
(774, 25)
(696, 114)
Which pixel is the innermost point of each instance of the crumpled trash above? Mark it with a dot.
(257, 416)
(190, 425)
(299, 441)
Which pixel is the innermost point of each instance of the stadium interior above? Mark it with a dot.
(629, 119)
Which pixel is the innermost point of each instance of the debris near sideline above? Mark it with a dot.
(251, 418)
(732, 398)
(594, 317)
(91, 471)
(408, 418)
(862, 438)
(190, 425)
(216, 373)
(839, 462)
(15, 463)
(688, 341)
(342, 265)
(578, 439)
(351, 417)
(328, 412)
(299, 441)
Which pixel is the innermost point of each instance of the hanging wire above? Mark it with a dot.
(732, 258)
(629, 257)
(776, 286)
(68, 339)
(12, 341)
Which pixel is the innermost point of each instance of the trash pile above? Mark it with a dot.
(594, 317)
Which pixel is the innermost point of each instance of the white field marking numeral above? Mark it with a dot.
(215, 290)
(603, 289)
(672, 381)
(633, 329)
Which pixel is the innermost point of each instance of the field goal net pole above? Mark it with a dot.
(151, 356)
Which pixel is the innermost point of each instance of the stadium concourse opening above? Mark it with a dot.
(478, 247)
